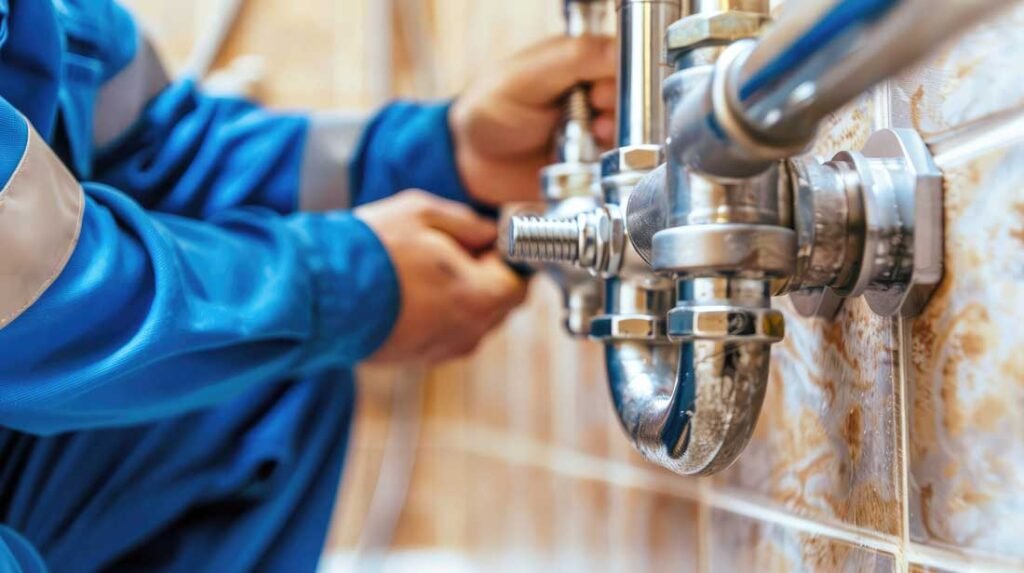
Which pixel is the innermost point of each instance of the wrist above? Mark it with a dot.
(356, 293)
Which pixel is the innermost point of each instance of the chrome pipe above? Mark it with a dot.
(767, 98)
(641, 113)
(688, 395)
(691, 406)
(690, 400)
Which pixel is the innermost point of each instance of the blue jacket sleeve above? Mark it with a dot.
(155, 315)
(195, 154)
(407, 146)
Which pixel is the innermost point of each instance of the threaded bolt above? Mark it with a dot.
(541, 240)
(576, 143)
(577, 107)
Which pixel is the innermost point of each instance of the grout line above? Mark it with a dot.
(884, 120)
(735, 501)
(903, 386)
(487, 442)
(523, 451)
(883, 106)
(943, 559)
(977, 138)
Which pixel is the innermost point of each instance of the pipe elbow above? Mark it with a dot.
(692, 407)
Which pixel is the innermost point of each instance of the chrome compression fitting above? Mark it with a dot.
(710, 209)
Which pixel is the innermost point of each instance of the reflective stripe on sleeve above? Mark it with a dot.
(330, 147)
(124, 98)
(41, 211)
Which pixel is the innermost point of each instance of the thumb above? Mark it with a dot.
(492, 275)
(473, 232)
(541, 75)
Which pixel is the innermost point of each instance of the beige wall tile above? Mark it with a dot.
(914, 568)
(966, 380)
(966, 387)
(976, 76)
(744, 545)
(655, 533)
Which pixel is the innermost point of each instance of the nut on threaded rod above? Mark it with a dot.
(539, 240)
(593, 240)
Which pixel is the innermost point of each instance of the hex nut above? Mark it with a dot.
(633, 158)
(627, 327)
(921, 213)
(566, 180)
(726, 324)
(702, 30)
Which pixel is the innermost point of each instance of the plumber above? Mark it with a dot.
(178, 329)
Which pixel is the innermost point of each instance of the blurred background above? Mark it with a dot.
(882, 446)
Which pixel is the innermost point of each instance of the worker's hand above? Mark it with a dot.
(504, 124)
(455, 288)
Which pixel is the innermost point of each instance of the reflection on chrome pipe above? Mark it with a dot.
(784, 89)
(641, 377)
(642, 25)
(691, 406)
(767, 97)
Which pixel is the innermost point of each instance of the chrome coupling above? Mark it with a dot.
(869, 224)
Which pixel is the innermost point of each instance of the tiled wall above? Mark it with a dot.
(884, 445)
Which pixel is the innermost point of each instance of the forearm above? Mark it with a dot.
(154, 315)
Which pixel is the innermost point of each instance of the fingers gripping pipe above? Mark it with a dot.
(569, 187)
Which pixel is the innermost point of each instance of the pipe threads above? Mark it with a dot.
(576, 142)
(577, 108)
(536, 239)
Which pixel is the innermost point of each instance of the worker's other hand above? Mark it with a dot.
(504, 123)
(455, 288)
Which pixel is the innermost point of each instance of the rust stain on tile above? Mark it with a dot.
(1018, 232)
(916, 107)
(867, 506)
(835, 337)
(853, 433)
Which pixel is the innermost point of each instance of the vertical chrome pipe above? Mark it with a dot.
(642, 25)
(689, 400)
(642, 371)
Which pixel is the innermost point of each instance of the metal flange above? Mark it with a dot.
(892, 222)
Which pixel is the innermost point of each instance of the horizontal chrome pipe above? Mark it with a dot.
(766, 98)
